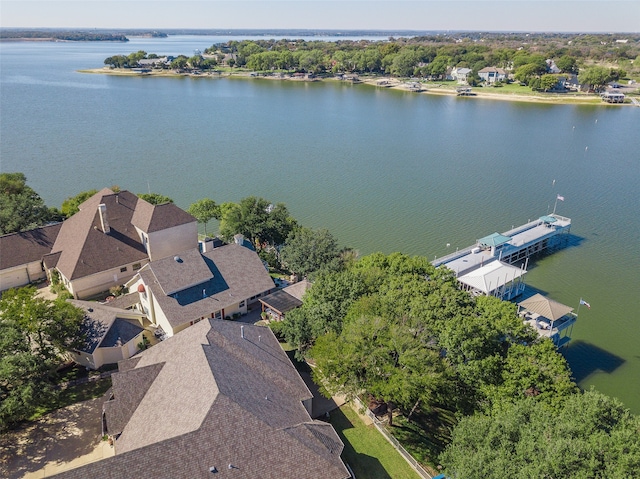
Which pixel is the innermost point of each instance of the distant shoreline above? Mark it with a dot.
(391, 83)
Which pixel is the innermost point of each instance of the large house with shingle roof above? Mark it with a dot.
(21, 255)
(112, 236)
(179, 291)
(220, 399)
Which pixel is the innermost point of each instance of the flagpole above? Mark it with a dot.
(578, 310)
(554, 206)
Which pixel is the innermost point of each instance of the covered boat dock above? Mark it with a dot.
(549, 318)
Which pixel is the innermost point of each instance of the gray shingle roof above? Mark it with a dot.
(105, 327)
(281, 301)
(209, 398)
(181, 271)
(28, 246)
(237, 274)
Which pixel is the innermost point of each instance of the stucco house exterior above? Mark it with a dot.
(112, 334)
(21, 255)
(460, 74)
(492, 74)
(179, 291)
(220, 399)
(112, 236)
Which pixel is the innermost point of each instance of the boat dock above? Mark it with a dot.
(487, 268)
(517, 244)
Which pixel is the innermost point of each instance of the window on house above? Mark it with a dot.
(123, 269)
(241, 305)
(137, 266)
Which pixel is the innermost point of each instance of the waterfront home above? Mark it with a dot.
(221, 399)
(460, 74)
(112, 236)
(181, 290)
(21, 255)
(491, 75)
(112, 334)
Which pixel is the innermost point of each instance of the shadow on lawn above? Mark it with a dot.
(363, 465)
(59, 437)
(426, 436)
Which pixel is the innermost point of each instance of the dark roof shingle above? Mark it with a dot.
(209, 398)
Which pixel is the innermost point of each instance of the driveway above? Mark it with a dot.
(62, 440)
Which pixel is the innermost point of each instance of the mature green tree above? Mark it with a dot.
(195, 61)
(34, 333)
(21, 208)
(204, 210)
(533, 370)
(526, 73)
(405, 62)
(307, 250)
(567, 64)
(117, 61)
(589, 435)
(179, 63)
(548, 82)
(595, 76)
(155, 198)
(71, 205)
(438, 67)
(258, 219)
(324, 309)
(383, 357)
(311, 61)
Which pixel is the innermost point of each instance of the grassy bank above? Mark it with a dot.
(366, 451)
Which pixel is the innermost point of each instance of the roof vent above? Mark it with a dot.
(213, 469)
(90, 310)
(242, 332)
(177, 259)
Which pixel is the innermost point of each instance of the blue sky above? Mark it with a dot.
(479, 15)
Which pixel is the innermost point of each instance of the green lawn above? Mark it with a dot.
(368, 453)
(74, 394)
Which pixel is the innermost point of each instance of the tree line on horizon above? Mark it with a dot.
(599, 59)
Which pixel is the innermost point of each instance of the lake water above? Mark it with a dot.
(382, 170)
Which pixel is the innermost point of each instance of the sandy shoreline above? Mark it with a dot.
(390, 83)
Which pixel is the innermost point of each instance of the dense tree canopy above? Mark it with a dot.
(34, 333)
(306, 251)
(258, 220)
(71, 205)
(596, 76)
(589, 435)
(21, 208)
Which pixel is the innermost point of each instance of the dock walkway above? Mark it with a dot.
(521, 242)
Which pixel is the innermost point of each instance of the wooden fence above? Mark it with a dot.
(394, 442)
